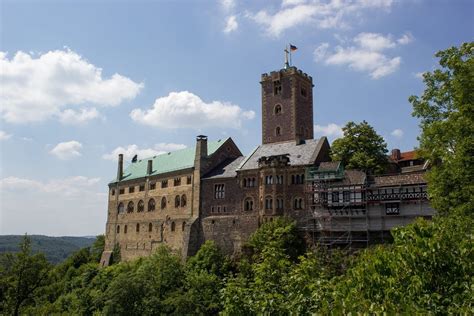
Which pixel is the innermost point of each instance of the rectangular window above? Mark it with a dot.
(277, 87)
(131, 189)
(177, 181)
(392, 208)
(268, 204)
(335, 197)
(219, 191)
(152, 186)
(304, 92)
(188, 180)
(141, 188)
(164, 184)
(121, 191)
(112, 191)
(346, 196)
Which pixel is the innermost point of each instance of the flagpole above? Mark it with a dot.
(291, 63)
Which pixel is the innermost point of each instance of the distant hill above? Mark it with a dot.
(56, 249)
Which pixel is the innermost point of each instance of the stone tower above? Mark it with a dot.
(287, 106)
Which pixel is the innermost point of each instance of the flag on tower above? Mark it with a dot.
(293, 47)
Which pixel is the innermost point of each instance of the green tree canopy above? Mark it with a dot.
(360, 148)
(446, 110)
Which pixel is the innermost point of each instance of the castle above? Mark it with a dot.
(214, 192)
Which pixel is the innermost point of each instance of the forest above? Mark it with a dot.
(427, 269)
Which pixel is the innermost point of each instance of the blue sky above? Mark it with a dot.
(82, 81)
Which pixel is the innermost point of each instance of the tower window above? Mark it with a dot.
(131, 189)
(268, 203)
(173, 226)
(277, 87)
(278, 131)
(183, 200)
(164, 183)
(113, 191)
(138, 228)
(163, 203)
(141, 188)
(177, 201)
(304, 92)
(277, 109)
(188, 180)
(152, 186)
(150, 227)
(177, 181)
(121, 208)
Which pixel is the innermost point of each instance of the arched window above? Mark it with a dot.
(248, 204)
(277, 109)
(183, 200)
(278, 131)
(163, 203)
(268, 203)
(173, 226)
(183, 226)
(151, 205)
(140, 206)
(300, 204)
(130, 207)
(137, 228)
(120, 208)
(125, 229)
(177, 200)
(118, 229)
(150, 227)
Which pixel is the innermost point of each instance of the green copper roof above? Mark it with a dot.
(172, 161)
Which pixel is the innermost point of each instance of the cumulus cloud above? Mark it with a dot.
(367, 54)
(398, 133)
(36, 88)
(56, 207)
(67, 150)
(331, 130)
(4, 135)
(185, 109)
(132, 150)
(231, 24)
(82, 116)
(322, 14)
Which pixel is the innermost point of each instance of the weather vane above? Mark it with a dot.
(288, 49)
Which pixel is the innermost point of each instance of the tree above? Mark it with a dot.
(361, 148)
(21, 276)
(446, 110)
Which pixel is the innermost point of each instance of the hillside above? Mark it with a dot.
(56, 249)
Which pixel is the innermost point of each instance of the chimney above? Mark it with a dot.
(396, 155)
(201, 146)
(149, 168)
(120, 167)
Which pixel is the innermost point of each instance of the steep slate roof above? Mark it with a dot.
(399, 179)
(226, 169)
(303, 154)
(172, 161)
(354, 177)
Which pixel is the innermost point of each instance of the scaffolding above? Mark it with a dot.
(337, 211)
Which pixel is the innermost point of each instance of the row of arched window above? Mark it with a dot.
(298, 203)
(179, 201)
(150, 227)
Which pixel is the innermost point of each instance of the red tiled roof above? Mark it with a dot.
(407, 155)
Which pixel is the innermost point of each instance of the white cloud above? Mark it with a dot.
(231, 24)
(132, 150)
(398, 133)
(419, 75)
(185, 109)
(4, 135)
(322, 14)
(67, 150)
(227, 5)
(38, 88)
(406, 39)
(331, 130)
(367, 55)
(82, 116)
(66, 206)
